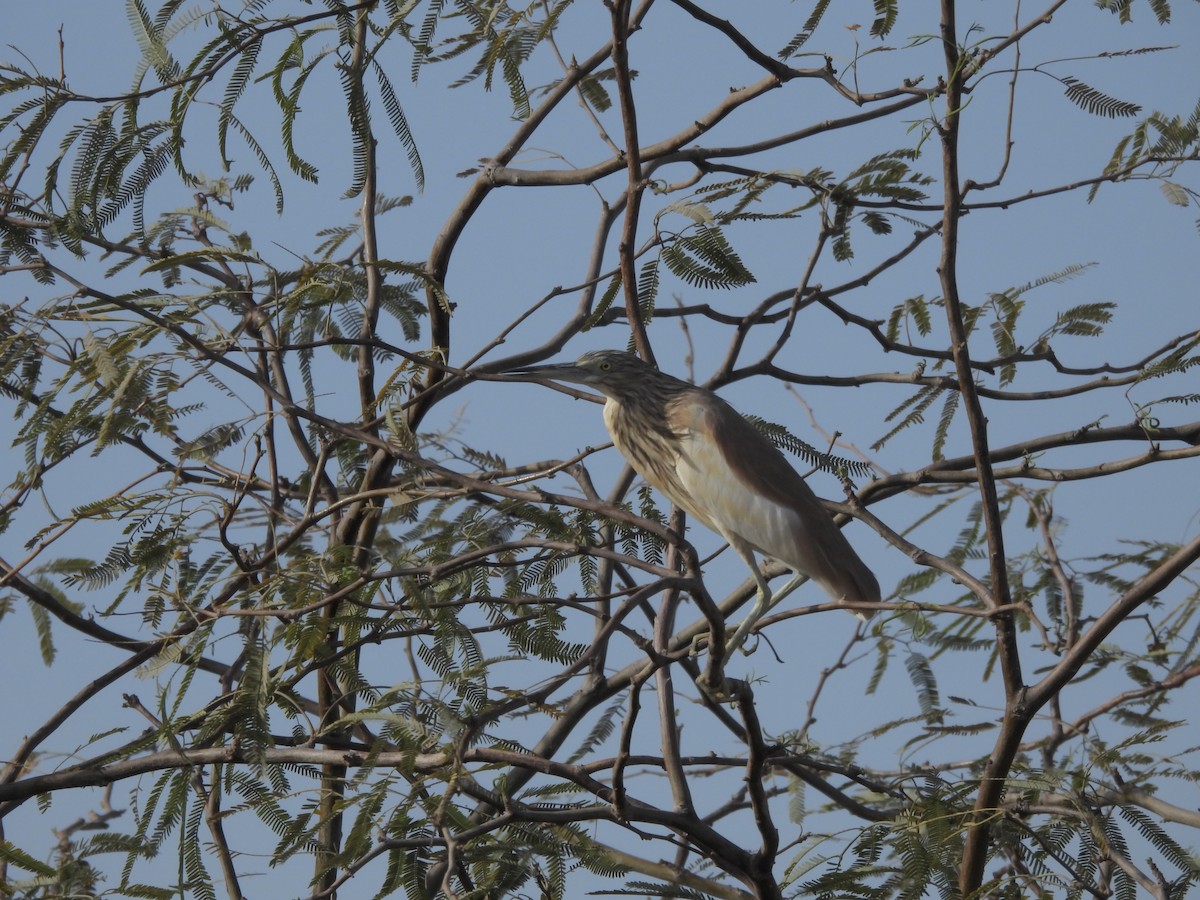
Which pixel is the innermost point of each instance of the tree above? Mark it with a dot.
(385, 648)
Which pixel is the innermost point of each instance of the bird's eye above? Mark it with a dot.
(606, 366)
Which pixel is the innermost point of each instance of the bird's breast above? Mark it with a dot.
(648, 444)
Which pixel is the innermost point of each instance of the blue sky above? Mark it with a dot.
(523, 243)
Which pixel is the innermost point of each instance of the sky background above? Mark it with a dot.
(523, 243)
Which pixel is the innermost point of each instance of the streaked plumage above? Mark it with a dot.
(695, 448)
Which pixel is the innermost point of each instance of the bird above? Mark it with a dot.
(705, 457)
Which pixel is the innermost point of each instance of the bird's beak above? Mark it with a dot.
(550, 372)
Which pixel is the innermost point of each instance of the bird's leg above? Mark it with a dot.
(794, 582)
(762, 602)
(767, 600)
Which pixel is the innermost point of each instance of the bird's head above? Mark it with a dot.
(613, 372)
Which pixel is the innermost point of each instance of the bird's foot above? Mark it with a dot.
(741, 645)
(763, 602)
(722, 689)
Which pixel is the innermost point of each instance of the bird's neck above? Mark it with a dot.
(612, 415)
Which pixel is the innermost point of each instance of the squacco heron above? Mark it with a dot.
(704, 456)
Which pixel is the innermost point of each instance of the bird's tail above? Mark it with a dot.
(855, 582)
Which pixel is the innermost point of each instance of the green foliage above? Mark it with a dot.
(606, 301)
(601, 731)
(886, 12)
(380, 646)
(1003, 312)
(810, 25)
(1158, 137)
(647, 290)
(1097, 102)
(914, 309)
(914, 412)
(703, 258)
(923, 679)
(1124, 9)
(504, 37)
(17, 857)
(826, 462)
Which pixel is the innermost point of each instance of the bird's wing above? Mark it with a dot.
(743, 487)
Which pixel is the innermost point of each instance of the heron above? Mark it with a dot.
(706, 458)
